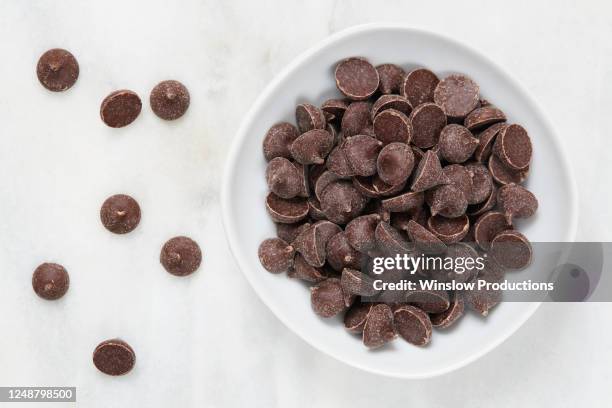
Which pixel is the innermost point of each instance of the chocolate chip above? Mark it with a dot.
(488, 226)
(120, 108)
(379, 329)
(460, 252)
(486, 139)
(285, 179)
(57, 70)
(327, 298)
(340, 253)
(419, 86)
(309, 117)
(50, 281)
(278, 140)
(457, 144)
(482, 117)
(120, 214)
(449, 230)
(504, 175)
(391, 125)
(516, 202)
(459, 177)
(335, 107)
(513, 147)
(312, 241)
(390, 241)
(304, 271)
(286, 211)
(482, 183)
(114, 357)
(357, 283)
(429, 173)
(341, 202)
(356, 118)
(356, 78)
(361, 153)
(181, 256)
(430, 301)
(337, 163)
(428, 120)
(492, 271)
(407, 202)
(413, 325)
(355, 318)
(395, 163)
(485, 206)
(374, 187)
(482, 300)
(360, 232)
(424, 239)
(399, 103)
(169, 100)
(391, 78)
(312, 147)
(446, 200)
(276, 255)
(314, 209)
(288, 232)
(457, 95)
(450, 315)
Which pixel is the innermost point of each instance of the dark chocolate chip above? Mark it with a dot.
(312, 147)
(335, 107)
(457, 144)
(486, 139)
(327, 298)
(429, 173)
(446, 200)
(312, 241)
(286, 211)
(428, 120)
(355, 318)
(516, 202)
(357, 283)
(285, 179)
(57, 70)
(424, 239)
(391, 78)
(459, 177)
(309, 117)
(120, 108)
(288, 232)
(169, 100)
(304, 271)
(391, 126)
(120, 214)
(50, 281)
(323, 181)
(181, 256)
(314, 209)
(482, 183)
(513, 147)
(361, 153)
(379, 329)
(278, 140)
(482, 300)
(340, 253)
(450, 315)
(390, 241)
(276, 255)
(413, 325)
(488, 226)
(374, 187)
(114, 357)
(360, 232)
(419, 86)
(341, 202)
(503, 174)
(399, 103)
(449, 230)
(356, 78)
(482, 117)
(429, 301)
(457, 95)
(395, 163)
(337, 163)
(485, 206)
(356, 118)
(407, 202)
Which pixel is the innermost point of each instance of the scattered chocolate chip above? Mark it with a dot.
(428, 120)
(488, 226)
(457, 95)
(486, 139)
(429, 173)
(446, 200)
(285, 179)
(356, 119)
(181, 256)
(50, 281)
(450, 315)
(278, 140)
(169, 100)
(341, 202)
(312, 147)
(379, 329)
(114, 357)
(424, 239)
(504, 175)
(355, 318)
(120, 108)
(340, 253)
(276, 255)
(391, 125)
(449, 230)
(391, 78)
(361, 153)
(120, 214)
(286, 211)
(309, 117)
(516, 202)
(399, 103)
(413, 325)
(513, 147)
(395, 163)
(360, 232)
(356, 78)
(419, 86)
(457, 144)
(57, 70)
(482, 117)
(327, 298)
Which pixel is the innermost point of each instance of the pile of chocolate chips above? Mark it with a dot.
(403, 163)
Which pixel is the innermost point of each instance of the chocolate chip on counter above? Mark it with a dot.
(449, 230)
(395, 163)
(482, 117)
(391, 78)
(361, 153)
(487, 226)
(341, 202)
(429, 173)
(276, 255)
(516, 202)
(309, 117)
(312, 147)
(399, 103)
(419, 86)
(513, 147)
(379, 328)
(57, 70)
(278, 140)
(304, 271)
(457, 95)
(169, 100)
(450, 315)
(505, 175)
(413, 325)
(424, 239)
(486, 139)
(446, 200)
(181, 256)
(286, 211)
(340, 253)
(355, 318)
(285, 179)
(120, 108)
(511, 250)
(50, 281)
(356, 78)
(356, 119)
(360, 232)
(428, 120)
(391, 125)
(327, 298)
(120, 214)
(114, 357)
(457, 144)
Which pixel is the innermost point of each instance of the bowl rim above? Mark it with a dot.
(241, 134)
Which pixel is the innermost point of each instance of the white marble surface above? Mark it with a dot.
(207, 340)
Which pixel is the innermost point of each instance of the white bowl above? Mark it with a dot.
(310, 78)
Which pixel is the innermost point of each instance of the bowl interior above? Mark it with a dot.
(310, 78)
